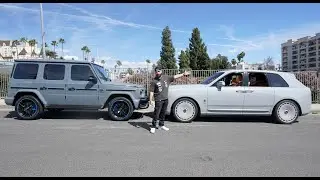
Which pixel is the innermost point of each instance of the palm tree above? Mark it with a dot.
(32, 43)
(15, 43)
(62, 41)
(241, 56)
(119, 63)
(103, 62)
(88, 51)
(54, 44)
(84, 49)
(24, 40)
(148, 62)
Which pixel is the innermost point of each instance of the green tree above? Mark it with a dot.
(167, 54)
(240, 56)
(32, 44)
(184, 62)
(233, 62)
(199, 58)
(130, 71)
(88, 51)
(103, 62)
(62, 41)
(220, 62)
(84, 49)
(24, 40)
(119, 63)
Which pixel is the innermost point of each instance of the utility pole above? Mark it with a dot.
(42, 33)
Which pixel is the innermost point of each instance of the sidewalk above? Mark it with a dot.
(315, 108)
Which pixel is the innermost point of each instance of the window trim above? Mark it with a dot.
(17, 65)
(88, 65)
(64, 74)
(244, 82)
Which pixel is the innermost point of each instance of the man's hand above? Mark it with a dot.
(152, 103)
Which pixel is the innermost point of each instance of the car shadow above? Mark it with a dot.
(75, 115)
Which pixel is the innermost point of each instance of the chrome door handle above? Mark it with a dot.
(249, 91)
(71, 89)
(240, 91)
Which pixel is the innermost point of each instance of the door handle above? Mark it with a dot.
(240, 91)
(43, 88)
(71, 89)
(249, 91)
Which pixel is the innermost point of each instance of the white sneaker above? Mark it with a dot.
(153, 130)
(164, 128)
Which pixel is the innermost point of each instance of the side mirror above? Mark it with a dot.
(220, 84)
(92, 79)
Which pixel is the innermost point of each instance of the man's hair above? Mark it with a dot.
(157, 68)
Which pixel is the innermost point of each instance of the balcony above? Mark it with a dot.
(312, 60)
(303, 57)
(312, 49)
(312, 54)
(313, 65)
(303, 52)
(294, 62)
(303, 46)
(303, 62)
(295, 67)
(284, 54)
(294, 57)
(294, 47)
(302, 67)
(312, 43)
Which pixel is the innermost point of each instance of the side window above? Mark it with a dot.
(233, 79)
(26, 71)
(80, 72)
(275, 80)
(258, 80)
(54, 72)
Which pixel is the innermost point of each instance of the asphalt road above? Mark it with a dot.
(88, 144)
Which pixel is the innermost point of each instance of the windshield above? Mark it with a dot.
(101, 72)
(212, 78)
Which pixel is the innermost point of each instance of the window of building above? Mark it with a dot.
(275, 80)
(26, 71)
(81, 72)
(54, 72)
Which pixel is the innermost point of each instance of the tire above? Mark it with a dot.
(55, 110)
(183, 114)
(31, 102)
(286, 112)
(120, 109)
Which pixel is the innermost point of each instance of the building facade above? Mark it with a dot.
(9, 51)
(301, 55)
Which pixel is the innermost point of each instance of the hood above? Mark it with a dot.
(129, 85)
(187, 86)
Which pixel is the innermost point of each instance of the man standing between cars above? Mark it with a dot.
(159, 97)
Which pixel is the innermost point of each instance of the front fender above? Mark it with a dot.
(122, 93)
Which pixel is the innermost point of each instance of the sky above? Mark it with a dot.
(131, 32)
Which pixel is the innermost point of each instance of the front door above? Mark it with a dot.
(80, 91)
(259, 96)
(229, 100)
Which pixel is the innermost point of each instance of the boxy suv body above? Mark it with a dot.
(54, 85)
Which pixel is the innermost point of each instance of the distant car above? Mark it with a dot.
(54, 85)
(242, 92)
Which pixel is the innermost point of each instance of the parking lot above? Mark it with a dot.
(88, 144)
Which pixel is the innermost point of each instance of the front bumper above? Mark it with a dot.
(8, 101)
(144, 103)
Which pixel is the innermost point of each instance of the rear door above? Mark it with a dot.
(259, 95)
(53, 86)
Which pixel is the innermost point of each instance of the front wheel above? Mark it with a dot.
(185, 110)
(286, 112)
(28, 107)
(120, 109)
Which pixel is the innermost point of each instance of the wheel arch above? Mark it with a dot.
(31, 93)
(112, 96)
(198, 106)
(274, 107)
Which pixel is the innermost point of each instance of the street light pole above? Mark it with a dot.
(42, 33)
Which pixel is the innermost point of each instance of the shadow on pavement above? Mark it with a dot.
(143, 125)
(75, 115)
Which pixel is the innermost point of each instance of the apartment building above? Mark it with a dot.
(301, 55)
(9, 51)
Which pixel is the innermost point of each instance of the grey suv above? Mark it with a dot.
(55, 85)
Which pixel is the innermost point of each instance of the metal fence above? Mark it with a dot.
(143, 76)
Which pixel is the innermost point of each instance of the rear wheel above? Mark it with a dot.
(185, 110)
(28, 107)
(120, 109)
(286, 112)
